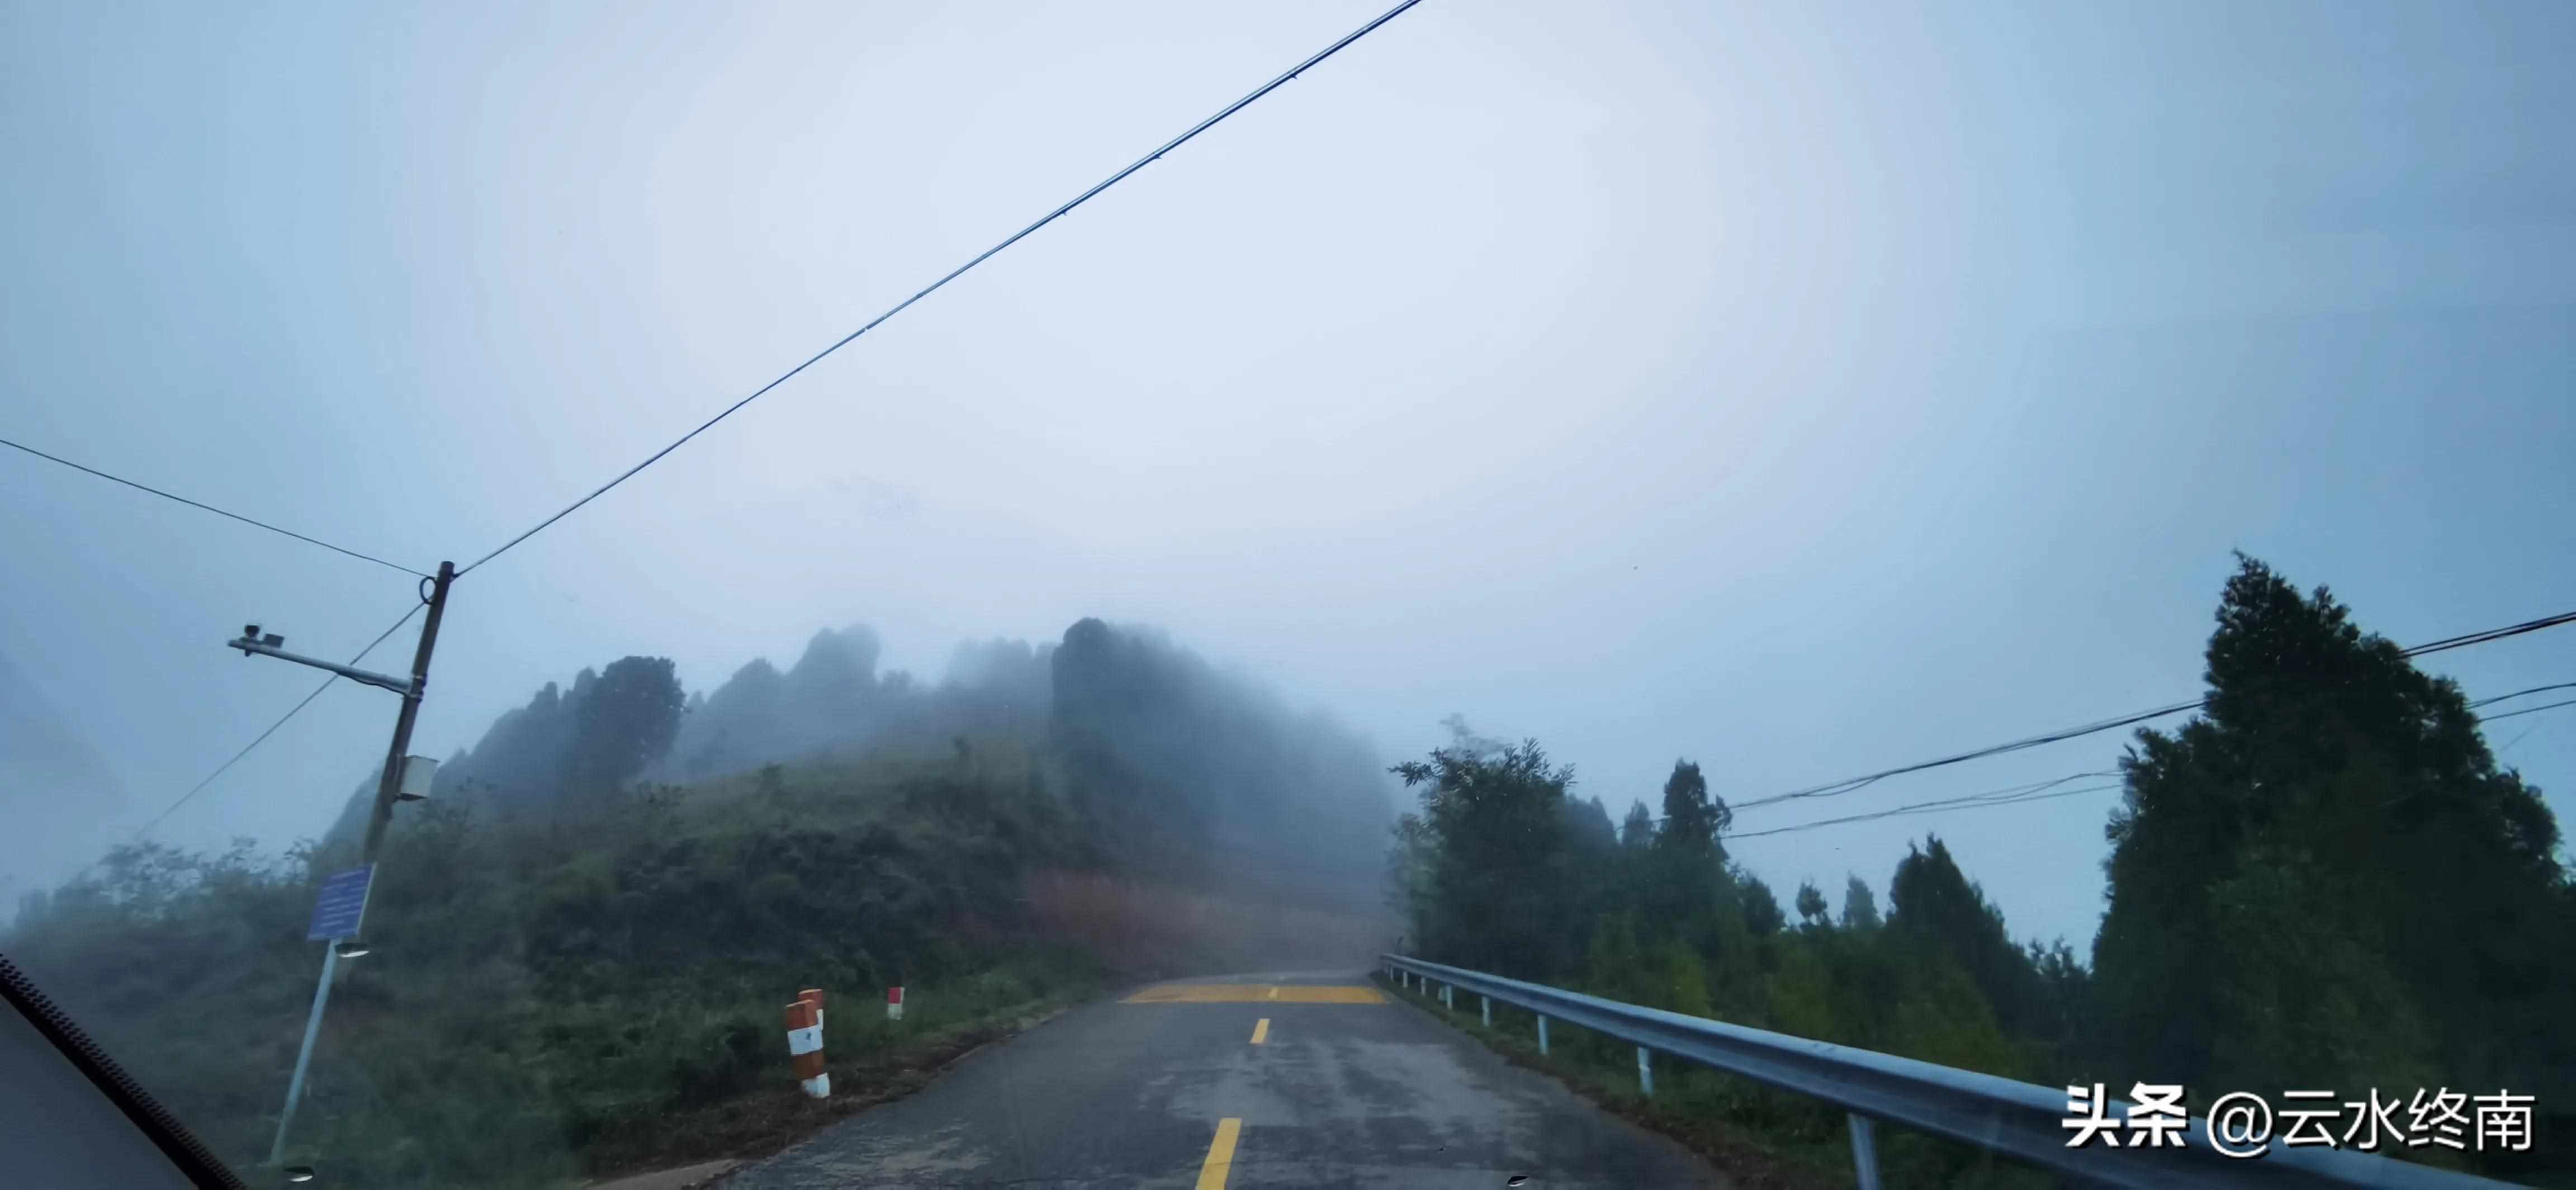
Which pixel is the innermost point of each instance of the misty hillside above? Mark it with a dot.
(586, 931)
(833, 701)
(57, 791)
(1207, 776)
(1184, 770)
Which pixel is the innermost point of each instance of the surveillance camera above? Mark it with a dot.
(250, 632)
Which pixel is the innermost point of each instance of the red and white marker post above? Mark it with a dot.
(894, 1003)
(805, 1044)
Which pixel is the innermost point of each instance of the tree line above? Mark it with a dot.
(2323, 880)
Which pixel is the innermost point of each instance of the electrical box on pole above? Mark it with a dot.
(418, 774)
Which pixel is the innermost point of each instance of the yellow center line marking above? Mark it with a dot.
(1220, 1159)
(1261, 1031)
(1244, 993)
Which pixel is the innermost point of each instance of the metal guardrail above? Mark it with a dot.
(2017, 1119)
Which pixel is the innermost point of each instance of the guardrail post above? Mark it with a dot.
(1864, 1152)
(1488, 1010)
(2014, 1120)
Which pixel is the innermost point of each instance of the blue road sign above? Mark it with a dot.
(341, 905)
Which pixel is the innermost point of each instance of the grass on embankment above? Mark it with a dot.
(563, 990)
(871, 1060)
(566, 990)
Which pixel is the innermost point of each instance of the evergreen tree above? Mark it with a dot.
(1587, 826)
(1637, 830)
(2325, 878)
(1811, 905)
(1935, 905)
(1761, 910)
(623, 720)
(1860, 908)
(1692, 822)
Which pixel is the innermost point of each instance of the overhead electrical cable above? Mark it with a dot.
(2042, 790)
(2519, 693)
(953, 274)
(2547, 706)
(262, 737)
(1970, 802)
(1852, 784)
(142, 487)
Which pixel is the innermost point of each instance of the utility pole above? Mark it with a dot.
(389, 790)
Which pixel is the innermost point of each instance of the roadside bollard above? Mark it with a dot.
(805, 1048)
(1488, 1010)
(894, 1003)
(1645, 1073)
(1542, 1037)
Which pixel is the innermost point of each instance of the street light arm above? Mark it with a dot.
(380, 681)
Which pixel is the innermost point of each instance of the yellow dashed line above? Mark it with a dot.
(1241, 993)
(1261, 1031)
(1220, 1159)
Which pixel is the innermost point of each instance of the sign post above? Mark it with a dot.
(337, 911)
(406, 778)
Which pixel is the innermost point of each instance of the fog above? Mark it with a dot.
(1798, 390)
(1193, 775)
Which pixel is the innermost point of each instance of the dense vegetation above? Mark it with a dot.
(2322, 881)
(580, 945)
(582, 941)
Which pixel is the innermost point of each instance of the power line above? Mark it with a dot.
(2520, 736)
(1852, 784)
(2550, 706)
(1969, 802)
(2519, 693)
(2039, 791)
(2479, 638)
(899, 307)
(255, 742)
(262, 737)
(211, 508)
(1837, 788)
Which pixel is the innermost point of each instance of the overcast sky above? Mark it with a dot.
(1798, 388)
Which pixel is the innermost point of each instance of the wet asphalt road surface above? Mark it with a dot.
(1345, 1088)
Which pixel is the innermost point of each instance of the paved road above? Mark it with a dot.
(1344, 1089)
